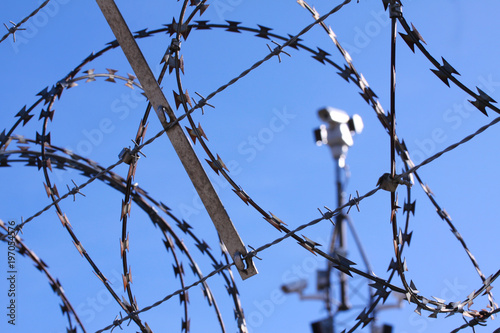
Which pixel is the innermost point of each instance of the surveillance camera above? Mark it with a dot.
(331, 115)
(294, 287)
(355, 124)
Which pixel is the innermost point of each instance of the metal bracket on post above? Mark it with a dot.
(211, 201)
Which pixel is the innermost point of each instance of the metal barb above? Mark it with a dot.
(277, 50)
(12, 30)
(117, 323)
(328, 215)
(137, 148)
(203, 102)
(75, 190)
(253, 253)
(353, 202)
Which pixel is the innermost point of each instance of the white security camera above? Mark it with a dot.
(329, 115)
(338, 134)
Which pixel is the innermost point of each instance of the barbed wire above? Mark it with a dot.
(44, 138)
(476, 321)
(368, 94)
(138, 194)
(450, 148)
(328, 216)
(56, 90)
(390, 182)
(445, 72)
(17, 26)
(66, 308)
(309, 245)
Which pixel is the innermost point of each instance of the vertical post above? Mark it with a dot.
(394, 12)
(339, 244)
(342, 237)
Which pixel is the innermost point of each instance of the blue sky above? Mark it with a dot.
(262, 128)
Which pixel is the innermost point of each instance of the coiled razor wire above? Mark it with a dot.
(63, 161)
(173, 60)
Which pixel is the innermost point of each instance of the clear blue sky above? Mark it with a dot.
(262, 126)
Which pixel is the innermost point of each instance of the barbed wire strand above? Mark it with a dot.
(17, 26)
(450, 148)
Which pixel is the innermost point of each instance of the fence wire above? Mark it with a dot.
(49, 155)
